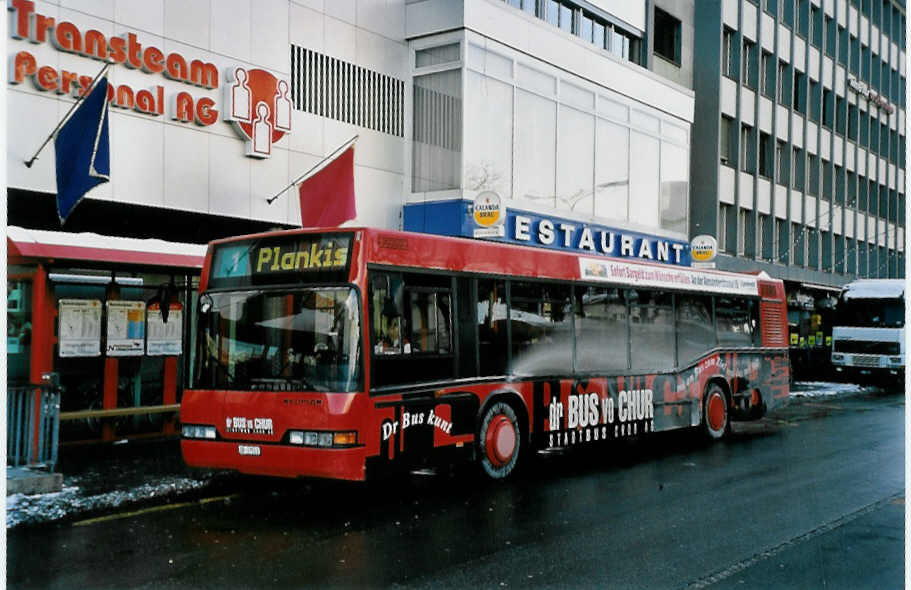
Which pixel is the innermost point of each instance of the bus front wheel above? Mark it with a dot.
(499, 441)
(715, 415)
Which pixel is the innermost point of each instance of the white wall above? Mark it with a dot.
(159, 162)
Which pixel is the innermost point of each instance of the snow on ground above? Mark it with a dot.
(72, 500)
(828, 389)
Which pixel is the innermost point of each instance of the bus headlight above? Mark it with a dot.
(198, 431)
(309, 438)
(895, 360)
(838, 358)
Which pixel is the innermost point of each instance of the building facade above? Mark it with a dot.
(575, 117)
(800, 165)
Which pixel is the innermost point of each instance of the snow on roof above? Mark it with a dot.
(34, 243)
(875, 289)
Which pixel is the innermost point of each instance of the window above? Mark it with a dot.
(492, 347)
(667, 36)
(840, 190)
(429, 322)
(552, 12)
(851, 189)
(282, 340)
(727, 126)
(827, 177)
(852, 122)
(411, 320)
(830, 36)
(743, 222)
(437, 132)
(598, 35)
(797, 244)
(798, 168)
(815, 35)
(723, 213)
(800, 92)
(815, 103)
(783, 89)
(766, 74)
(747, 70)
(840, 113)
(586, 27)
(602, 334)
(695, 333)
(781, 240)
(765, 237)
(727, 54)
(842, 46)
(652, 341)
(813, 166)
(781, 162)
(813, 248)
(540, 318)
(765, 154)
(803, 13)
(566, 18)
(746, 148)
(828, 108)
(736, 320)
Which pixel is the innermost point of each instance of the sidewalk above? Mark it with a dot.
(100, 478)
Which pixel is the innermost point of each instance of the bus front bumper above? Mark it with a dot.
(276, 460)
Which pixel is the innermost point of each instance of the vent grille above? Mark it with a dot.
(870, 362)
(773, 324)
(336, 89)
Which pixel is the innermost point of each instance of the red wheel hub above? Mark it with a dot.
(716, 411)
(500, 441)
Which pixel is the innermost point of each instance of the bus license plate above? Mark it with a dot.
(249, 450)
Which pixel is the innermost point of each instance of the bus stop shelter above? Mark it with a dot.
(106, 322)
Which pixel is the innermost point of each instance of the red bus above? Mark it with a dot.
(341, 353)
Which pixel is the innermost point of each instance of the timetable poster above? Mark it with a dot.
(165, 339)
(79, 327)
(126, 328)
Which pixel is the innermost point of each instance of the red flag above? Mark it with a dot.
(327, 197)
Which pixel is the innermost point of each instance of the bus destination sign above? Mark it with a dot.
(281, 260)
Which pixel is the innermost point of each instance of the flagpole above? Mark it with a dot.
(318, 164)
(79, 99)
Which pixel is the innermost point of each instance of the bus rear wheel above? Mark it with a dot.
(716, 418)
(499, 441)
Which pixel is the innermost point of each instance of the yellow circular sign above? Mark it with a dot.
(487, 209)
(703, 248)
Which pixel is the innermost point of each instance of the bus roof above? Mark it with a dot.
(431, 251)
(874, 289)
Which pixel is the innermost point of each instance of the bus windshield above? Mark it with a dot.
(306, 339)
(871, 313)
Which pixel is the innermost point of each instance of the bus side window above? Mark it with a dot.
(734, 321)
(430, 323)
(540, 328)
(386, 313)
(492, 351)
(602, 336)
(652, 336)
(695, 334)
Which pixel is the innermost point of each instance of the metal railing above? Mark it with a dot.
(33, 426)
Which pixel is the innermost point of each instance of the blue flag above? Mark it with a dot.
(83, 150)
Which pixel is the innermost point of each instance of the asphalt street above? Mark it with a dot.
(810, 497)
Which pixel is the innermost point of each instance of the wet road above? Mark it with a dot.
(811, 497)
